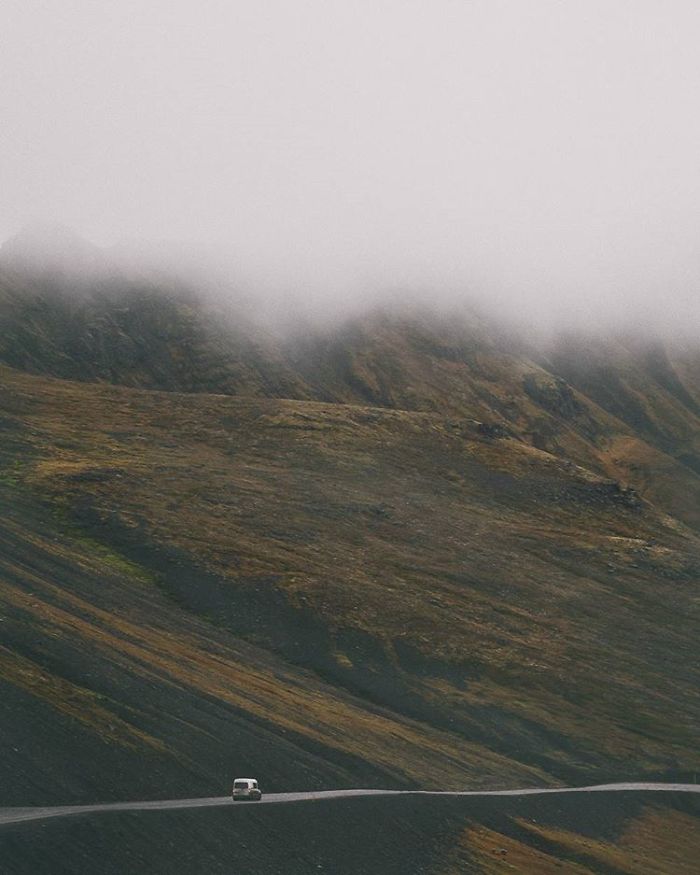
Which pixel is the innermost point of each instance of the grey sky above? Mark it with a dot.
(537, 151)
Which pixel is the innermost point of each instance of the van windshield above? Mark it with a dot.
(241, 785)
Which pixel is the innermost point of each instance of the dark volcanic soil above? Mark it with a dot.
(599, 833)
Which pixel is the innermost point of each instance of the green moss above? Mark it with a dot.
(11, 472)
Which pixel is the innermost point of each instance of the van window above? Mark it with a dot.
(241, 785)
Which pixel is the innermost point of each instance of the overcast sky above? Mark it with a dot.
(541, 152)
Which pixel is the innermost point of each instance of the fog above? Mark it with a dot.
(539, 156)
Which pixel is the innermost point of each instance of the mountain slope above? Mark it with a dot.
(519, 615)
(562, 400)
(135, 334)
(621, 833)
(404, 550)
(625, 409)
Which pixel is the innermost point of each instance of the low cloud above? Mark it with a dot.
(539, 159)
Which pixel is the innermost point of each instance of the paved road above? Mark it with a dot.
(16, 815)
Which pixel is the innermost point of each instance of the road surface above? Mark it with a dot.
(17, 815)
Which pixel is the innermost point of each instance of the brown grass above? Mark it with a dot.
(519, 582)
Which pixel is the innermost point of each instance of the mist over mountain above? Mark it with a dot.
(540, 157)
(63, 258)
(72, 310)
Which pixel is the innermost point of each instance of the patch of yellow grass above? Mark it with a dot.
(494, 853)
(655, 843)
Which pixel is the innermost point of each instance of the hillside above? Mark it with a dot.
(624, 407)
(401, 551)
(474, 584)
(621, 833)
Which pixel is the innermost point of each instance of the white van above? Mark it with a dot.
(245, 788)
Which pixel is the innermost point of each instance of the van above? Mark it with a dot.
(245, 789)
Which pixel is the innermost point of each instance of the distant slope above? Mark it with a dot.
(620, 409)
(134, 334)
(628, 410)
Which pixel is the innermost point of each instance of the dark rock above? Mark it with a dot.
(493, 430)
(556, 396)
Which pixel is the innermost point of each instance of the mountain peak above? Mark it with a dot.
(44, 247)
